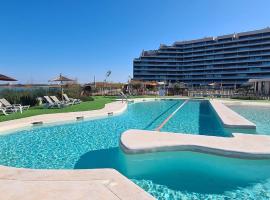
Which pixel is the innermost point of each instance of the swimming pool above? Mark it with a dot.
(167, 175)
(260, 115)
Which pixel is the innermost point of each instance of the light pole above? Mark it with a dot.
(108, 73)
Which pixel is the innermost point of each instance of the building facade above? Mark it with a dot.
(228, 60)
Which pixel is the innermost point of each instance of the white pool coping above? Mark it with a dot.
(246, 146)
(229, 118)
(94, 184)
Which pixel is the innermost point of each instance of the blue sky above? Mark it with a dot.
(85, 38)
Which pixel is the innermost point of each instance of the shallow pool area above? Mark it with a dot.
(260, 115)
(166, 175)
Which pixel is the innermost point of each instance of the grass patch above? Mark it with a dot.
(98, 103)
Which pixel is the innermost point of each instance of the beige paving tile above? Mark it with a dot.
(28, 184)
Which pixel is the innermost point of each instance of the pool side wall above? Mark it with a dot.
(229, 118)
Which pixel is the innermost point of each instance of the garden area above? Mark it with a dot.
(30, 97)
(95, 103)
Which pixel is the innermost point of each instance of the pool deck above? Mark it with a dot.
(247, 146)
(229, 118)
(94, 184)
(114, 107)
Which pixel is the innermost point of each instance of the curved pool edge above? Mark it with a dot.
(22, 183)
(116, 108)
(243, 146)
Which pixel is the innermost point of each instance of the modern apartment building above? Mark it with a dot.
(228, 60)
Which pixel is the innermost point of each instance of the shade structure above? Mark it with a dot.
(6, 78)
(62, 79)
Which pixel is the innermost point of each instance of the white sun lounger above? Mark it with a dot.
(6, 110)
(51, 104)
(56, 100)
(8, 105)
(71, 100)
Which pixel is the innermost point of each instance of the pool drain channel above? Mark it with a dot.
(170, 116)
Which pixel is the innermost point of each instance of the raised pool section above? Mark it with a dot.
(231, 119)
(260, 115)
(246, 146)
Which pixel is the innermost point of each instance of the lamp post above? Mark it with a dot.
(108, 73)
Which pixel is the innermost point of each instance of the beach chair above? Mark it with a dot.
(6, 110)
(8, 105)
(63, 103)
(3, 111)
(51, 104)
(71, 100)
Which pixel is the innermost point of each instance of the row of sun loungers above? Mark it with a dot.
(51, 102)
(54, 102)
(7, 108)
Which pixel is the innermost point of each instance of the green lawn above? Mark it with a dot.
(98, 103)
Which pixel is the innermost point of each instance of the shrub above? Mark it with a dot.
(73, 91)
(24, 97)
(28, 96)
(28, 100)
(87, 98)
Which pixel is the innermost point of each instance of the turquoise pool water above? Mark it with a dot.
(259, 115)
(168, 175)
(197, 117)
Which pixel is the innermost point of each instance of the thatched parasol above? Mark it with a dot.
(61, 79)
(6, 78)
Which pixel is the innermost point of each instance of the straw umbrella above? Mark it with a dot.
(6, 78)
(62, 79)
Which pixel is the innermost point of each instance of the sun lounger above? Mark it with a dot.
(51, 104)
(8, 105)
(6, 110)
(56, 100)
(71, 100)
(3, 111)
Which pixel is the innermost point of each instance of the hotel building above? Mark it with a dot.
(228, 60)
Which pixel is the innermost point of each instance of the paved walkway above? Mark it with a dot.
(240, 145)
(94, 184)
